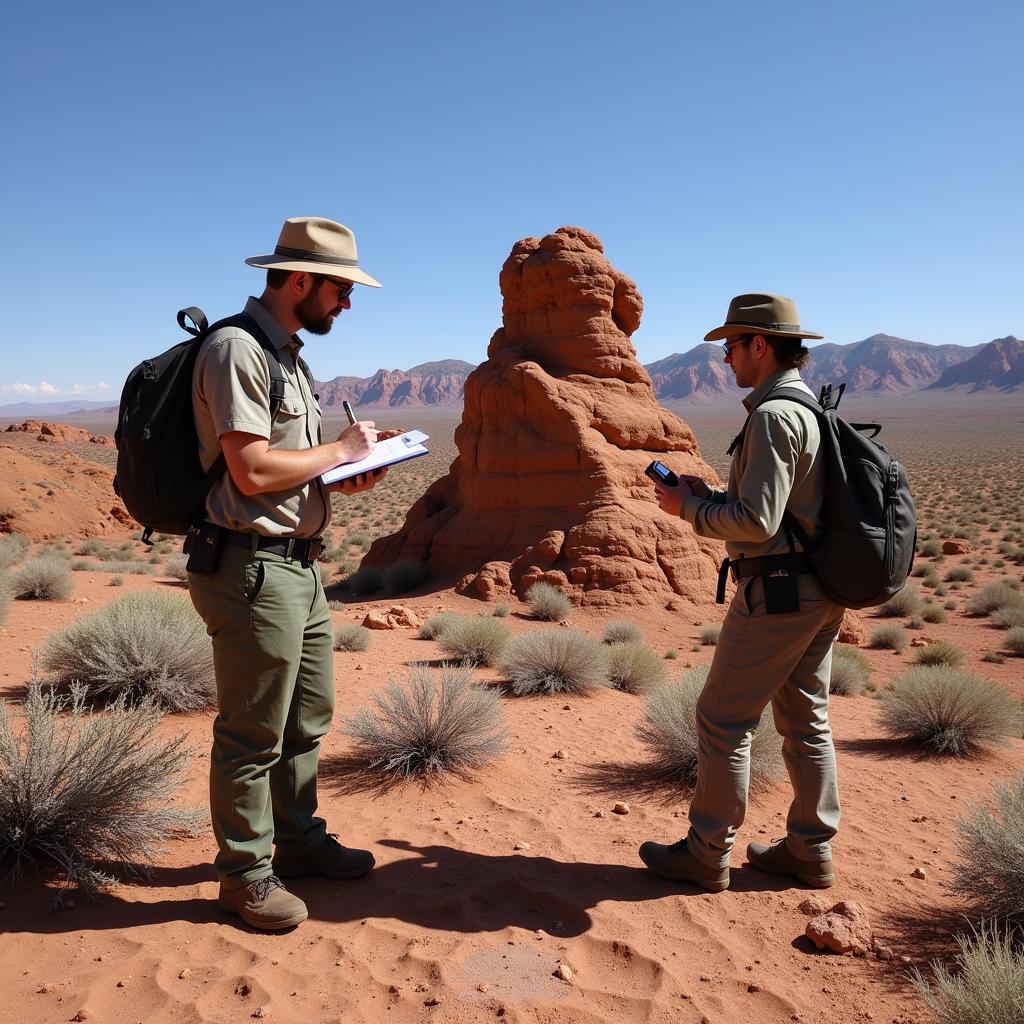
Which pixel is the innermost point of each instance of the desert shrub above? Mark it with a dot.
(358, 540)
(175, 567)
(634, 667)
(947, 711)
(907, 602)
(92, 546)
(671, 654)
(890, 637)
(404, 576)
(478, 640)
(139, 644)
(44, 578)
(116, 581)
(993, 596)
(547, 603)
(990, 871)
(933, 613)
(350, 636)
(1014, 641)
(500, 611)
(987, 985)
(621, 633)
(959, 574)
(433, 627)
(709, 635)
(1007, 618)
(929, 548)
(850, 671)
(79, 791)
(941, 653)
(367, 580)
(12, 549)
(6, 593)
(554, 661)
(132, 568)
(994, 658)
(669, 730)
(428, 728)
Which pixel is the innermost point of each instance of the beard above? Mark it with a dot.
(307, 315)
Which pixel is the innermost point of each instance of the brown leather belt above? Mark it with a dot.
(742, 568)
(300, 549)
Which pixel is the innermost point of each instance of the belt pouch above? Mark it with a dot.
(781, 586)
(202, 545)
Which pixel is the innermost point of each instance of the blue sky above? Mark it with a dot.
(863, 158)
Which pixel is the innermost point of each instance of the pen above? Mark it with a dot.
(348, 412)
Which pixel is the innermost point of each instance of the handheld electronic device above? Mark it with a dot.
(661, 474)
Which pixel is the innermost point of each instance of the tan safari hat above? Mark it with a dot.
(317, 246)
(762, 313)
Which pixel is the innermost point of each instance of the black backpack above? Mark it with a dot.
(869, 525)
(159, 476)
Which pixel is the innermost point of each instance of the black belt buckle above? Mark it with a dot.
(311, 551)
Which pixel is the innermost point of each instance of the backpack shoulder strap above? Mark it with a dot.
(790, 394)
(277, 378)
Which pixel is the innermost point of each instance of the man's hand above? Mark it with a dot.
(671, 499)
(359, 482)
(697, 486)
(356, 441)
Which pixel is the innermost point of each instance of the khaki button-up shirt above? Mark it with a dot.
(778, 467)
(231, 392)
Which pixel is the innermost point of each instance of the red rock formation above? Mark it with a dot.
(59, 432)
(558, 426)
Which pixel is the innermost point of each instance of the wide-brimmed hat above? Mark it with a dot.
(317, 246)
(761, 313)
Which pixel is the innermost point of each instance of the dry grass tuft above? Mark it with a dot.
(941, 653)
(547, 603)
(993, 596)
(350, 636)
(44, 578)
(146, 643)
(429, 728)
(475, 641)
(908, 602)
(987, 986)
(947, 711)
(890, 637)
(621, 633)
(78, 790)
(433, 627)
(850, 671)
(555, 661)
(13, 547)
(990, 872)
(669, 730)
(634, 668)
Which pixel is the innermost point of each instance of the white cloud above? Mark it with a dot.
(46, 390)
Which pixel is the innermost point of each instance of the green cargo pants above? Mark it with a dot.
(273, 658)
(786, 660)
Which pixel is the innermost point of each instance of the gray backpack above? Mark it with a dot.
(866, 548)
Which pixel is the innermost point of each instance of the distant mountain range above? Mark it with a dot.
(877, 366)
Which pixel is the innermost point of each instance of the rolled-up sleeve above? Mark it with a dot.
(772, 446)
(233, 378)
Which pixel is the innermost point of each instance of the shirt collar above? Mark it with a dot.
(776, 380)
(275, 333)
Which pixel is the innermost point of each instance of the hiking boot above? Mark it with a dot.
(678, 864)
(779, 860)
(330, 859)
(265, 904)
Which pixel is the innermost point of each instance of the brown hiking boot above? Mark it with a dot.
(779, 860)
(330, 860)
(675, 862)
(265, 904)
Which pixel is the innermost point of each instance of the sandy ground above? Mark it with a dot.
(456, 924)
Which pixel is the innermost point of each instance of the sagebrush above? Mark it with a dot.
(350, 636)
(427, 727)
(433, 627)
(621, 633)
(477, 641)
(146, 643)
(80, 791)
(633, 667)
(548, 603)
(669, 730)
(46, 577)
(850, 671)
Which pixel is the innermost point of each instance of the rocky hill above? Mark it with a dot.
(998, 366)
(436, 383)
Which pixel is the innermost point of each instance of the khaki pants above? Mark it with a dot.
(787, 660)
(273, 658)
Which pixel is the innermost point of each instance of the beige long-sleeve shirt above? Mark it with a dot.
(778, 467)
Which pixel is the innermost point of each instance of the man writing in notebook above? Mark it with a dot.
(261, 597)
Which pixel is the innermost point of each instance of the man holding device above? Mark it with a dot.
(253, 575)
(775, 645)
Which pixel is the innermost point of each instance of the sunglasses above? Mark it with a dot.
(344, 287)
(728, 346)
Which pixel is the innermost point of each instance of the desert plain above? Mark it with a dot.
(486, 887)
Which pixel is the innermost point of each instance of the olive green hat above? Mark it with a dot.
(762, 313)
